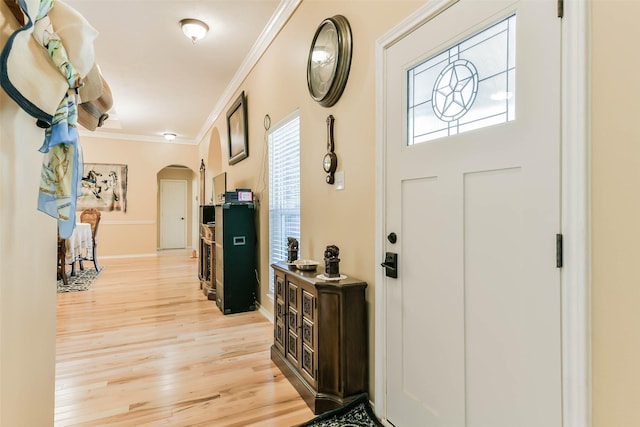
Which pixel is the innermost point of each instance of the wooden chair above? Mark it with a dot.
(62, 273)
(92, 217)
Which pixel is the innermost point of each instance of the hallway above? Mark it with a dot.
(144, 347)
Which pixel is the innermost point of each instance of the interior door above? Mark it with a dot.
(472, 191)
(173, 214)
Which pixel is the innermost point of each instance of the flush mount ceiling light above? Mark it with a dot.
(169, 136)
(194, 29)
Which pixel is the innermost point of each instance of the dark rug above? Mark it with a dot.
(357, 413)
(82, 281)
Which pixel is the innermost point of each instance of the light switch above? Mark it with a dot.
(339, 180)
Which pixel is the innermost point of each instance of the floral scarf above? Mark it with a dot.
(62, 166)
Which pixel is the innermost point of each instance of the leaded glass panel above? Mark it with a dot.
(468, 86)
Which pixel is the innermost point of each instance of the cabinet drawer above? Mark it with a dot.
(307, 333)
(279, 286)
(292, 295)
(280, 311)
(279, 335)
(292, 346)
(308, 364)
(308, 301)
(293, 320)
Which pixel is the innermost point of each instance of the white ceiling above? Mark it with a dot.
(162, 82)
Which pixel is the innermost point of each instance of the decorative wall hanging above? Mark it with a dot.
(203, 170)
(330, 160)
(329, 60)
(104, 187)
(237, 130)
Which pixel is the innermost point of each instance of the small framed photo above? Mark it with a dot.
(237, 130)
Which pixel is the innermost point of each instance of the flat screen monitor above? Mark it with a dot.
(207, 214)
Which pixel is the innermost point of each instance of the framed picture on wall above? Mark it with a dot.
(104, 187)
(237, 130)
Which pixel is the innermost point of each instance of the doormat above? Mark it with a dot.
(357, 413)
(82, 281)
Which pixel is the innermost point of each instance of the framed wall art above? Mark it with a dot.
(237, 130)
(104, 187)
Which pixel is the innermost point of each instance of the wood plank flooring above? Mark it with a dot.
(144, 347)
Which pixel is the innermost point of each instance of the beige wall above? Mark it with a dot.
(27, 294)
(277, 86)
(616, 213)
(27, 271)
(134, 232)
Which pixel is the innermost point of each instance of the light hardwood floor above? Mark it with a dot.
(144, 347)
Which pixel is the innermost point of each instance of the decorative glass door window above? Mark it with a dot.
(469, 86)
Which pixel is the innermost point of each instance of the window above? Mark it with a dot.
(468, 86)
(284, 188)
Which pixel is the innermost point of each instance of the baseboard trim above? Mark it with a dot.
(128, 256)
(265, 313)
(132, 222)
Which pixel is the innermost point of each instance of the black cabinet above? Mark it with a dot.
(235, 257)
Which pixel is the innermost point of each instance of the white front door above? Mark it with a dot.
(472, 167)
(173, 214)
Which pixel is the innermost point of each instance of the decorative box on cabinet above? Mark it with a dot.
(320, 336)
(206, 264)
(235, 257)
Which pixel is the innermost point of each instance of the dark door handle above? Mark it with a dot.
(390, 265)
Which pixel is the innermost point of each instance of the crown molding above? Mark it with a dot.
(136, 138)
(285, 10)
(280, 16)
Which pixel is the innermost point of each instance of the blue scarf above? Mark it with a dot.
(62, 166)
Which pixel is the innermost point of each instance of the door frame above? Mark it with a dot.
(575, 207)
(186, 210)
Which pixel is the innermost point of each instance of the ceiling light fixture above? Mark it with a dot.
(169, 136)
(194, 29)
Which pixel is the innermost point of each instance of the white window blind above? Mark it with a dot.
(284, 188)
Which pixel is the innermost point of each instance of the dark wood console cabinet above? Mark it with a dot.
(321, 336)
(207, 261)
